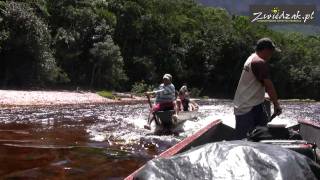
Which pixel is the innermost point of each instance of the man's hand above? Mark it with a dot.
(273, 96)
(148, 93)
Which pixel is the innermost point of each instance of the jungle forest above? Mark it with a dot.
(121, 44)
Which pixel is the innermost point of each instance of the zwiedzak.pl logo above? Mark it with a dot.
(300, 14)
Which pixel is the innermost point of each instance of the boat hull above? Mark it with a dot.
(310, 131)
(168, 122)
(218, 131)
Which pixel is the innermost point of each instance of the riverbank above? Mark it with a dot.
(17, 98)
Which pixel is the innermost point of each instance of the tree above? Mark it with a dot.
(107, 70)
(26, 55)
(82, 28)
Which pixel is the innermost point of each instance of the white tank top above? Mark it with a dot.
(250, 91)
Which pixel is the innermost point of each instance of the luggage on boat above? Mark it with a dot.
(285, 138)
(233, 160)
(300, 146)
(270, 133)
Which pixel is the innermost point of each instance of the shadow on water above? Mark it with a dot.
(97, 141)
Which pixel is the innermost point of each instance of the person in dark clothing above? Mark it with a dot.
(183, 101)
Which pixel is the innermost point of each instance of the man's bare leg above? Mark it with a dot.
(150, 119)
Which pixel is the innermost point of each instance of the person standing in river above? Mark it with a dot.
(254, 82)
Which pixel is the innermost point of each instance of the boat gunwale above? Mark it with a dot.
(185, 142)
(309, 122)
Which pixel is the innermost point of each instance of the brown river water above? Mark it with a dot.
(99, 141)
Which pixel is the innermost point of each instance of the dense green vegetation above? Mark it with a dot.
(116, 44)
(106, 94)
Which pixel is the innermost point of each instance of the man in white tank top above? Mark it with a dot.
(250, 93)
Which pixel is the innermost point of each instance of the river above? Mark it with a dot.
(100, 141)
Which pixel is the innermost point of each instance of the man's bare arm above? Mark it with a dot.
(272, 94)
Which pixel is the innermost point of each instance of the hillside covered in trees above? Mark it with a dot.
(242, 8)
(114, 44)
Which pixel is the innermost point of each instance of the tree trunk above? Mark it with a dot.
(93, 75)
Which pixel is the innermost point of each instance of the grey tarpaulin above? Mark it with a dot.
(233, 160)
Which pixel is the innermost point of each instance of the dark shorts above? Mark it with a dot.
(166, 106)
(185, 104)
(245, 123)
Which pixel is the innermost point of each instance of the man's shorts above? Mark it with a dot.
(247, 122)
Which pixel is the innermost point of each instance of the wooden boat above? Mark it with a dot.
(219, 131)
(166, 117)
(165, 121)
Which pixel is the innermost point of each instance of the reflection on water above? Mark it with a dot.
(98, 141)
